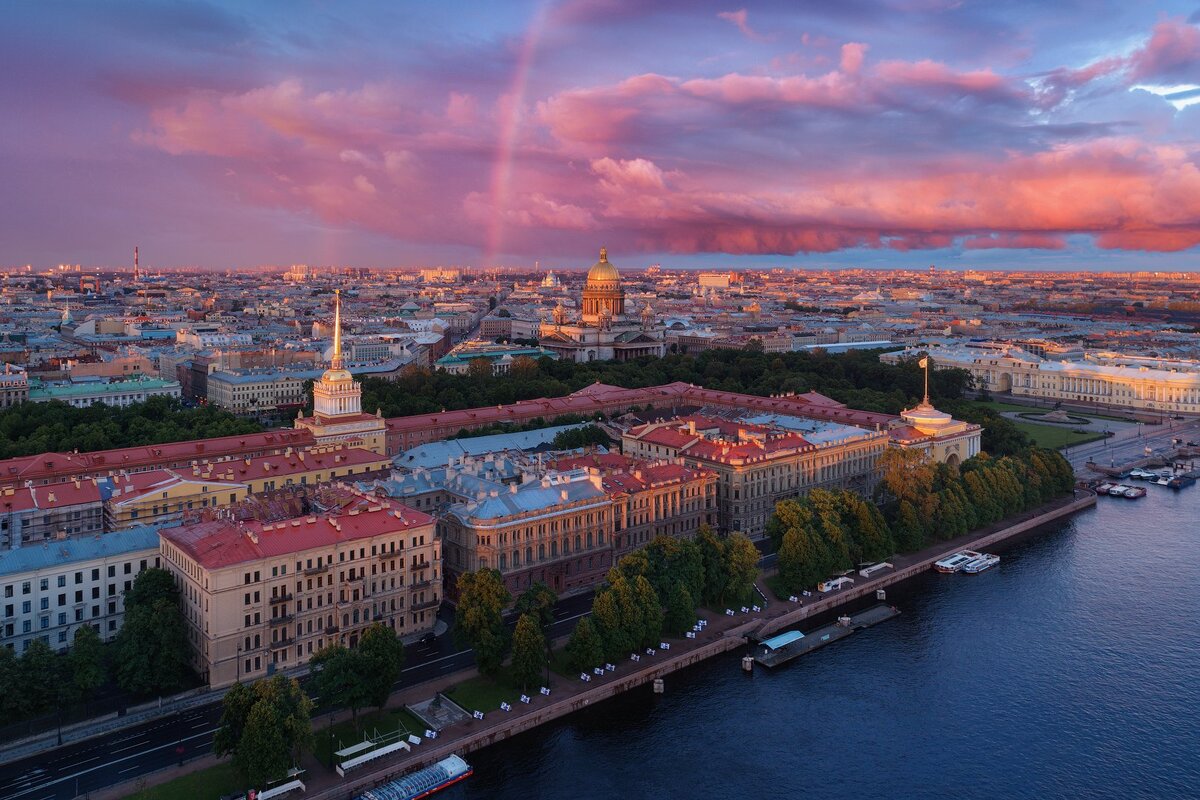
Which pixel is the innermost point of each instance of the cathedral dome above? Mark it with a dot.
(602, 271)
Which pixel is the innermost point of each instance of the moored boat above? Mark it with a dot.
(1119, 490)
(1102, 488)
(1180, 481)
(985, 561)
(956, 562)
(1134, 492)
(423, 782)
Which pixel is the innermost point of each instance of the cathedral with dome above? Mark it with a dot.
(603, 331)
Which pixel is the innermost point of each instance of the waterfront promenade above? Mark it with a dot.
(723, 634)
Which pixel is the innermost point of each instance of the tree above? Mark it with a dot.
(681, 611)
(529, 651)
(337, 678)
(152, 648)
(651, 609)
(382, 654)
(741, 566)
(479, 369)
(712, 558)
(262, 754)
(539, 599)
(478, 618)
(11, 696)
(585, 649)
(235, 709)
(613, 629)
(86, 659)
(574, 438)
(40, 677)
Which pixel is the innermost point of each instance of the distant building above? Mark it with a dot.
(1110, 380)
(499, 356)
(261, 597)
(82, 394)
(32, 515)
(603, 331)
(14, 386)
(52, 589)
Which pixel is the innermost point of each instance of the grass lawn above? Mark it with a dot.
(207, 784)
(1054, 437)
(775, 584)
(997, 405)
(486, 694)
(384, 722)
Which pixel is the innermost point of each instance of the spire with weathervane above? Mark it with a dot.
(337, 394)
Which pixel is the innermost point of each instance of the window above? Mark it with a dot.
(62, 581)
(112, 570)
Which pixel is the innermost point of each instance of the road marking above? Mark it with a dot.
(48, 784)
(199, 724)
(130, 746)
(127, 769)
(436, 660)
(81, 763)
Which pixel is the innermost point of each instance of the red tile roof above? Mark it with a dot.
(222, 543)
(58, 495)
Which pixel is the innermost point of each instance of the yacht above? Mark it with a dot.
(985, 561)
(956, 562)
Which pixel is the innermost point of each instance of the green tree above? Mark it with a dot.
(585, 649)
(539, 599)
(262, 754)
(336, 677)
(152, 647)
(681, 611)
(529, 651)
(478, 618)
(651, 612)
(713, 560)
(612, 627)
(741, 565)
(382, 654)
(41, 677)
(86, 659)
(11, 697)
(235, 709)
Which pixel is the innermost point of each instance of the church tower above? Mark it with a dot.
(602, 292)
(337, 394)
(338, 417)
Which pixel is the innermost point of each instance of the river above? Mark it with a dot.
(1070, 670)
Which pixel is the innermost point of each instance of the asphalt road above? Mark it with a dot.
(1130, 445)
(73, 770)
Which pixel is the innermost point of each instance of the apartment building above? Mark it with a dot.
(35, 514)
(52, 588)
(263, 597)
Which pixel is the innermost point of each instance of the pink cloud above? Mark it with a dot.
(740, 19)
(1173, 47)
(853, 54)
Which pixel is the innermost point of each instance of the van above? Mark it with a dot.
(834, 584)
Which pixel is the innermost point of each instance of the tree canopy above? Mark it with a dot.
(153, 656)
(478, 617)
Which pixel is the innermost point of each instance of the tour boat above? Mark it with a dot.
(1134, 492)
(956, 562)
(423, 782)
(985, 561)
(1103, 488)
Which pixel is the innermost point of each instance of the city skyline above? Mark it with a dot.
(226, 136)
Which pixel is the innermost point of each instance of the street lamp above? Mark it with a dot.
(238, 665)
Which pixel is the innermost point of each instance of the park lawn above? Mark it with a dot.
(389, 720)
(1054, 437)
(997, 405)
(206, 784)
(485, 694)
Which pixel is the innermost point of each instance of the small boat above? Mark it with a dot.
(956, 562)
(1141, 474)
(1162, 480)
(423, 782)
(985, 561)
(1134, 492)
(1103, 488)
(1118, 490)
(1180, 481)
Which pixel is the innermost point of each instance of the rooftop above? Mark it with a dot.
(62, 552)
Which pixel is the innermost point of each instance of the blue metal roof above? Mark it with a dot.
(776, 642)
(437, 454)
(61, 552)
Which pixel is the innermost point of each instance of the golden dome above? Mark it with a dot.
(602, 271)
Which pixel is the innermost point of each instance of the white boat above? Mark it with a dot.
(985, 561)
(1134, 492)
(1119, 490)
(1103, 488)
(956, 562)
(833, 584)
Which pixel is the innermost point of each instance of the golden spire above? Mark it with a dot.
(604, 254)
(336, 362)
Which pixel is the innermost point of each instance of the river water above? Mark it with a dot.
(1070, 670)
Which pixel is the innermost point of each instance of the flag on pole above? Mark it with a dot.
(924, 362)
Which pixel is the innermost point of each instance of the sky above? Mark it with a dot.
(1021, 134)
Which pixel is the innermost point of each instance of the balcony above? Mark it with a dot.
(331, 629)
(318, 570)
(281, 598)
(422, 564)
(389, 554)
(282, 643)
(415, 585)
(425, 605)
(283, 620)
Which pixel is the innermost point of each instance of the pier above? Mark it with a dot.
(773, 652)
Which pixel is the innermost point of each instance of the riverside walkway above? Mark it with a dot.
(722, 634)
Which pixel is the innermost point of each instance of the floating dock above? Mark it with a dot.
(793, 644)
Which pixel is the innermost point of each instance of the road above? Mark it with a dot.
(1130, 445)
(73, 770)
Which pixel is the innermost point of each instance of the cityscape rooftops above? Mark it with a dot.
(62, 552)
